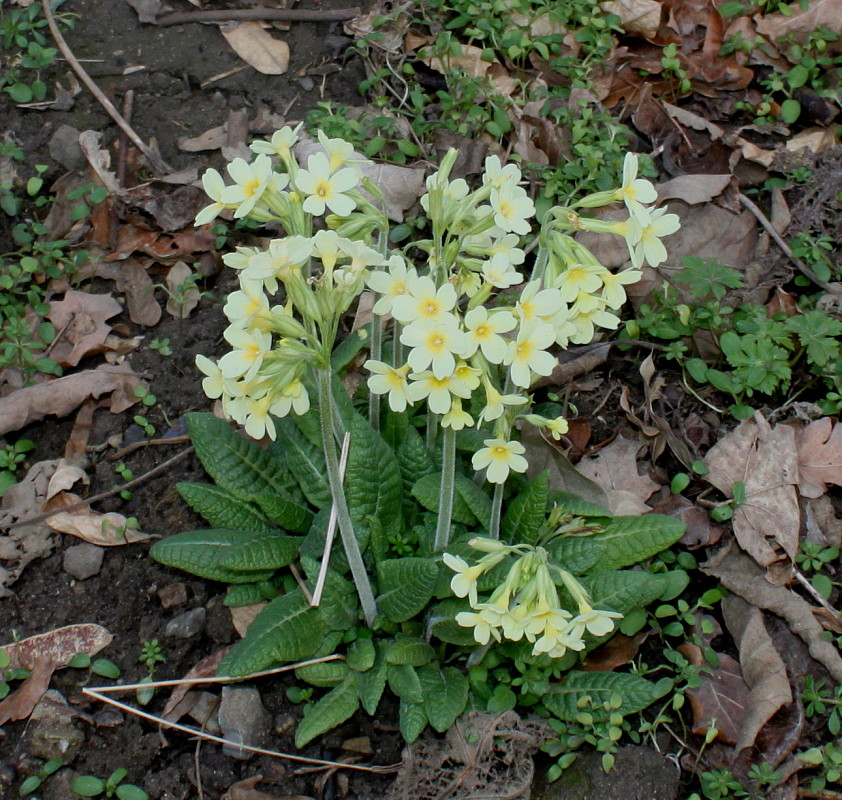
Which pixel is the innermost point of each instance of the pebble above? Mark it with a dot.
(188, 624)
(83, 561)
(243, 719)
(307, 83)
(204, 712)
(52, 732)
(172, 595)
(64, 148)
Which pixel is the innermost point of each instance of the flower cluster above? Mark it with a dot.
(264, 374)
(526, 604)
(472, 361)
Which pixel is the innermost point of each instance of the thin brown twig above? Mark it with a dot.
(808, 587)
(259, 14)
(130, 448)
(787, 251)
(154, 159)
(102, 495)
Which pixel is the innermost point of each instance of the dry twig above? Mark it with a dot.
(268, 14)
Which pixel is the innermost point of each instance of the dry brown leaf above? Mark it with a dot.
(24, 543)
(19, 704)
(767, 524)
(762, 667)
(740, 575)
(258, 48)
(544, 454)
(469, 61)
(819, 13)
(131, 278)
(61, 396)
(401, 186)
(204, 669)
(391, 20)
(80, 320)
(816, 140)
(181, 301)
(212, 139)
(42, 655)
(64, 478)
(819, 457)
(243, 616)
(638, 16)
(615, 470)
(720, 698)
(100, 160)
(693, 189)
(105, 530)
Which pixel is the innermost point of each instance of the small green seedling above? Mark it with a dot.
(100, 666)
(11, 457)
(7, 675)
(162, 346)
(127, 475)
(34, 782)
(151, 654)
(90, 786)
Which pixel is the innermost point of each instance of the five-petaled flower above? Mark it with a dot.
(326, 189)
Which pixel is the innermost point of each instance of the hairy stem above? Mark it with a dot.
(496, 509)
(337, 490)
(448, 469)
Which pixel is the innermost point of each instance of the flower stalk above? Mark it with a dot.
(446, 488)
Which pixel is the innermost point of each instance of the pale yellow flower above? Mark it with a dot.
(390, 381)
(498, 458)
(326, 189)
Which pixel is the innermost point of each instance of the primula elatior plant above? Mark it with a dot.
(458, 335)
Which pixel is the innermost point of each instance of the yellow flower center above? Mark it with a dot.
(323, 190)
(429, 308)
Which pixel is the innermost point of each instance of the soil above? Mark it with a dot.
(173, 98)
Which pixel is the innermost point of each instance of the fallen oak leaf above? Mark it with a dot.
(819, 447)
(80, 319)
(767, 524)
(61, 396)
(615, 470)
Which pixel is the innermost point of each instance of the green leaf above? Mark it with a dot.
(204, 553)
(404, 682)
(221, 508)
(361, 655)
(623, 590)
(413, 720)
(790, 110)
(325, 673)
(305, 461)
(333, 709)
(414, 459)
(445, 693)
(564, 700)
(106, 668)
(406, 586)
(370, 685)
(475, 498)
(288, 629)
(87, 786)
(339, 607)
(442, 623)
(526, 513)
(243, 594)
(372, 478)
(128, 791)
(410, 650)
(283, 512)
(262, 551)
(20, 93)
(629, 540)
(426, 491)
(575, 506)
(235, 463)
(578, 554)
